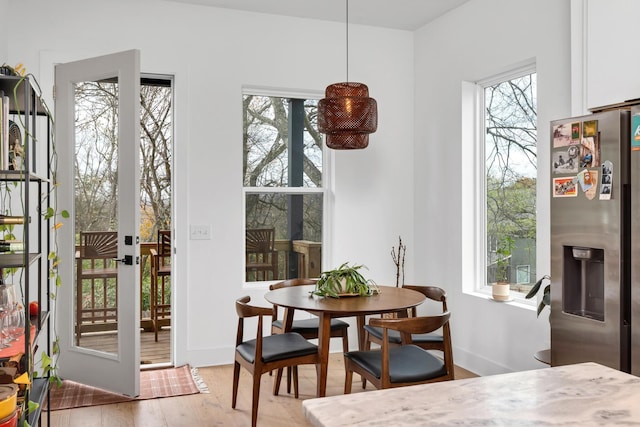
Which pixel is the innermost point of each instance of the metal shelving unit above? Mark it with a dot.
(27, 108)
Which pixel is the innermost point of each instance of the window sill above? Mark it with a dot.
(256, 285)
(259, 285)
(517, 299)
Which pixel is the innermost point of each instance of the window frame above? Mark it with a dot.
(473, 166)
(327, 162)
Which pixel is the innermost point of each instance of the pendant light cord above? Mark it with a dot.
(347, 31)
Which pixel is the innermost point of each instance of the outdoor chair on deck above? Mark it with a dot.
(96, 282)
(264, 354)
(261, 254)
(160, 282)
(400, 366)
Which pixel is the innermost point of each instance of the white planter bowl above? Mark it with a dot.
(500, 291)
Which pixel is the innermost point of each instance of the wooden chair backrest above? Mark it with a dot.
(434, 293)
(244, 310)
(292, 282)
(412, 325)
(260, 240)
(164, 242)
(164, 247)
(287, 284)
(99, 244)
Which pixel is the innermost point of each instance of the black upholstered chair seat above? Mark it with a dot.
(278, 347)
(408, 363)
(308, 326)
(395, 338)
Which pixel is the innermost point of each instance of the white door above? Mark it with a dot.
(97, 110)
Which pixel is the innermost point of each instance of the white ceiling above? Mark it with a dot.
(399, 14)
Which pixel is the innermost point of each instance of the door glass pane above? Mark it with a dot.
(96, 221)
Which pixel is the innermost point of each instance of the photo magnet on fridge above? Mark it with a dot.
(566, 161)
(606, 182)
(590, 194)
(585, 178)
(590, 128)
(562, 136)
(564, 187)
(575, 132)
(635, 132)
(590, 152)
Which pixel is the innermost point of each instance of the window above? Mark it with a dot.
(523, 275)
(284, 186)
(510, 171)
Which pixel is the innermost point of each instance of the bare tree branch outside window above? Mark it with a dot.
(96, 157)
(511, 171)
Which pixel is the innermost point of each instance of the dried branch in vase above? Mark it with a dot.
(398, 260)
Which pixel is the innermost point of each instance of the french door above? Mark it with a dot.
(97, 110)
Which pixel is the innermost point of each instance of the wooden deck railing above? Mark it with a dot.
(309, 257)
(309, 265)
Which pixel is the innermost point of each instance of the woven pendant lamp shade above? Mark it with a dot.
(347, 115)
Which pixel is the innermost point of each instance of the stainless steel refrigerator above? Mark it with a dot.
(595, 216)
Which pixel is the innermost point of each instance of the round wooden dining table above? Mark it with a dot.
(390, 299)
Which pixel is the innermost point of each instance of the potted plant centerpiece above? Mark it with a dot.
(345, 280)
(501, 287)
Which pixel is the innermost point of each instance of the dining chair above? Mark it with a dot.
(261, 255)
(428, 341)
(160, 273)
(399, 366)
(264, 354)
(308, 328)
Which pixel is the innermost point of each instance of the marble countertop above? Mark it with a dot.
(585, 394)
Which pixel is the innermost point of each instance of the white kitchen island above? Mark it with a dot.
(585, 394)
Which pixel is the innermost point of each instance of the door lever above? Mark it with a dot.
(127, 260)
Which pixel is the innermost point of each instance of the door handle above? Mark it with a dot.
(127, 260)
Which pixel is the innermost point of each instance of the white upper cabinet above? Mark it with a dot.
(610, 63)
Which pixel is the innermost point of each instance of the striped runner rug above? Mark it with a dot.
(154, 384)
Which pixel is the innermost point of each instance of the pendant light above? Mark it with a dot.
(347, 115)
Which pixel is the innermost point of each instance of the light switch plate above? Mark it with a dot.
(200, 232)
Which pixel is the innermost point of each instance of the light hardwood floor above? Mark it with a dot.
(151, 351)
(214, 408)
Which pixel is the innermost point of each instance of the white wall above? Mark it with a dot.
(476, 41)
(4, 7)
(213, 53)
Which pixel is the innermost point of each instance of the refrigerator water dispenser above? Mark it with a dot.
(583, 282)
